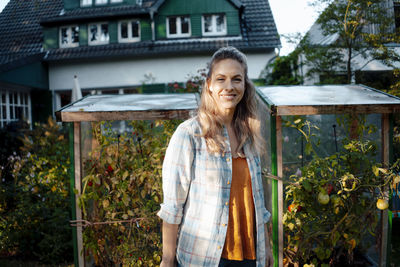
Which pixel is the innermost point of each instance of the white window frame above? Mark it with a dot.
(130, 38)
(179, 33)
(22, 102)
(214, 25)
(85, 3)
(100, 2)
(70, 39)
(116, 1)
(98, 42)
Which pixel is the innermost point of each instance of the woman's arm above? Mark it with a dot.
(269, 259)
(169, 235)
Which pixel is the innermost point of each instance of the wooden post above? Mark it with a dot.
(71, 191)
(280, 186)
(384, 214)
(78, 187)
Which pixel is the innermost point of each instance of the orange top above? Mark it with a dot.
(240, 241)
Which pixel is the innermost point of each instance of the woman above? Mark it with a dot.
(213, 211)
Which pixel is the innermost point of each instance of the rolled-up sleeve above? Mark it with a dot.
(176, 175)
(266, 215)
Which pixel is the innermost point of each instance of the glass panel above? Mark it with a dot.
(104, 37)
(3, 98)
(124, 30)
(18, 113)
(135, 29)
(185, 24)
(12, 112)
(86, 2)
(75, 34)
(15, 98)
(4, 112)
(93, 33)
(172, 25)
(220, 23)
(101, 2)
(26, 112)
(208, 24)
(64, 35)
(26, 99)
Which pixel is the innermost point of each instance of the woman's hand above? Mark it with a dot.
(168, 263)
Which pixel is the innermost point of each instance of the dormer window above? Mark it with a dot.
(178, 27)
(69, 36)
(129, 31)
(98, 2)
(214, 24)
(98, 34)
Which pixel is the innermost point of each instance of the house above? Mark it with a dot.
(366, 69)
(116, 46)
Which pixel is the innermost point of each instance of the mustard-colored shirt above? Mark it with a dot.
(240, 236)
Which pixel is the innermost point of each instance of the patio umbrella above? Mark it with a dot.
(76, 90)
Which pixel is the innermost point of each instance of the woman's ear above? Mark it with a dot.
(208, 83)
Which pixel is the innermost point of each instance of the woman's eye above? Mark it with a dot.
(220, 79)
(237, 80)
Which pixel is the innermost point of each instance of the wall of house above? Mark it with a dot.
(32, 75)
(196, 9)
(127, 73)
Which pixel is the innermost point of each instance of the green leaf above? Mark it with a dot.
(307, 186)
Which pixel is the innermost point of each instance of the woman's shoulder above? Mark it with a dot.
(191, 126)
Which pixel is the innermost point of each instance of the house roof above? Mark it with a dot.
(22, 33)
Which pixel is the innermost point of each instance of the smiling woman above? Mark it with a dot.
(213, 211)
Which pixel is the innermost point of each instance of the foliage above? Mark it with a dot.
(34, 205)
(285, 70)
(122, 182)
(329, 198)
(362, 28)
(192, 85)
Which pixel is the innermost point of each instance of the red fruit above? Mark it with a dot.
(109, 168)
(140, 258)
(329, 188)
(130, 254)
(294, 207)
(176, 86)
(90, 183)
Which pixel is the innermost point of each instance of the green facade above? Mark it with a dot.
(31, 75)
(195, 9)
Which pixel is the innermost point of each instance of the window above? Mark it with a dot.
(116, 1)
(86, 2)
(14, 106)
(101, 2)
(98, 34)
(69, 36)
(178, 27)
(214, 25)
(129, 31)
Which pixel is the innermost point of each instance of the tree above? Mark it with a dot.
(353, 28)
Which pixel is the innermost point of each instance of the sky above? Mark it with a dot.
(291, 16)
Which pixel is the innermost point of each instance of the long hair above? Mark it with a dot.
(245, 122)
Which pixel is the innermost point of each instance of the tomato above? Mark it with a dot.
(323, 198)
(329, 188)
(294, 207)
(382, 204)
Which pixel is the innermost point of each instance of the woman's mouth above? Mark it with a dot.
(228, 96)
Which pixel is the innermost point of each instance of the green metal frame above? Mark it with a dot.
(390, 219)
(72, 191)
(274, 171)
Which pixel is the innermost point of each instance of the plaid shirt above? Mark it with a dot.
(196, 186)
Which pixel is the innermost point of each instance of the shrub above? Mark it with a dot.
(35, 203)
(122, 184)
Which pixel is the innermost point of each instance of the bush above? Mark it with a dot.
(34, 205)
(328, 200)
(122, 184)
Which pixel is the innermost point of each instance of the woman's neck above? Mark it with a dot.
(227, 116)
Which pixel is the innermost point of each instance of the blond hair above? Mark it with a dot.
(245, 122)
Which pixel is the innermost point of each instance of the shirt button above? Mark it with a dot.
(219, 247)
(228, 159)
(228, 182)
(224, 224)
(226, 203)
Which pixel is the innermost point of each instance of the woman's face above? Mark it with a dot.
(227, 84)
